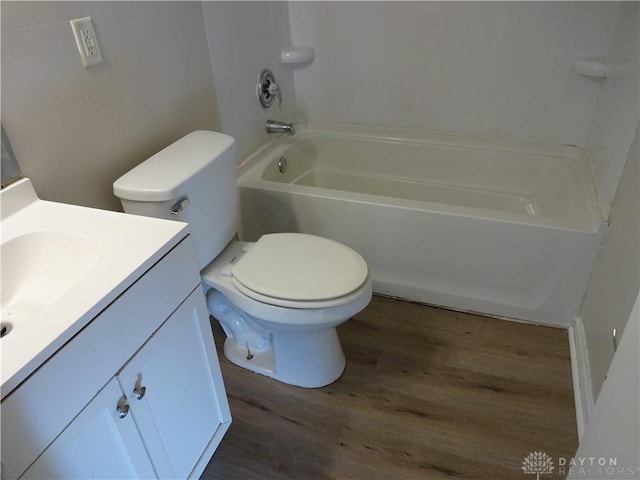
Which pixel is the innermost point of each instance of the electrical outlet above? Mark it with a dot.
(86, 41)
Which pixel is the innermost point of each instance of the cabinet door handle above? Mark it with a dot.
(139, 391)
(123, 410)
(614, 335)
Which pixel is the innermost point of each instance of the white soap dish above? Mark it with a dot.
(297, 55)
(594, 67)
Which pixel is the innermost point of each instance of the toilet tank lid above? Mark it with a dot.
(171, 171)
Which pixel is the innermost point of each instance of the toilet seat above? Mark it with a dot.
(299, 271)
(217, 275)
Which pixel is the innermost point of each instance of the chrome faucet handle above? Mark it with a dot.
(274, 91)
(267, 89)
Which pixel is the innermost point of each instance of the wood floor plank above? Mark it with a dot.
(426, 393)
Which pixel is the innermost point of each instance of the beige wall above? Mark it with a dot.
(75, 130)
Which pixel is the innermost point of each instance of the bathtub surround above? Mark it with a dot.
(492, 69)
(75, 130)
(487, 69)
(614, 120)
(243, 39)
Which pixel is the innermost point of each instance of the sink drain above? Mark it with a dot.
(5, 328)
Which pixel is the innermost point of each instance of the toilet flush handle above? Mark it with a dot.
(180, 205)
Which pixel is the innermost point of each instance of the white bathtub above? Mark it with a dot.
(502, 229)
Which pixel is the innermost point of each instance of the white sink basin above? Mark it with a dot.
(38, 268)
(60, 266)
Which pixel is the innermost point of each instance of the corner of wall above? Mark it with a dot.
(615, 117)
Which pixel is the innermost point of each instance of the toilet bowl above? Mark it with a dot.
(280, 299)
(290, 336)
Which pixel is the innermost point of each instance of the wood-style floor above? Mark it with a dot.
(427, 393)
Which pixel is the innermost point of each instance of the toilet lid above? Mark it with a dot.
(299, 267)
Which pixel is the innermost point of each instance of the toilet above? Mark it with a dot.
(280, 299)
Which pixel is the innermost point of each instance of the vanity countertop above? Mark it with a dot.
(92, 256)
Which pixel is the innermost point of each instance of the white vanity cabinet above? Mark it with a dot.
(97, 444)
(173, 392)
(137, 393)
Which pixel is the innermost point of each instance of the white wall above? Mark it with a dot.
(500, 69)
(615, 281)
(612, 431)
(244, 38)
(75, 130)
(616, 115)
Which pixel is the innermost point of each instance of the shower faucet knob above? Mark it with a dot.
(267, 89)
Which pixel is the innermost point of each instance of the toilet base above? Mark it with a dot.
(311, 360)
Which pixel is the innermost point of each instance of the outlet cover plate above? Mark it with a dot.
(86, 41)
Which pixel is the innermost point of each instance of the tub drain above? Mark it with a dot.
(5, 328)
(282, 165)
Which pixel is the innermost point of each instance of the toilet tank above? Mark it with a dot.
(196, 176)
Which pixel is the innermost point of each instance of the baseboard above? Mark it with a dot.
(581, 373)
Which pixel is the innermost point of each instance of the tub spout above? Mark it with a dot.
(275, 126)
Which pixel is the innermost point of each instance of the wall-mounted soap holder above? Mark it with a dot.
(594, 67)
(297, 55)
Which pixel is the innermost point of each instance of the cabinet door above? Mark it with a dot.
(97, 444)
(184, 400)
